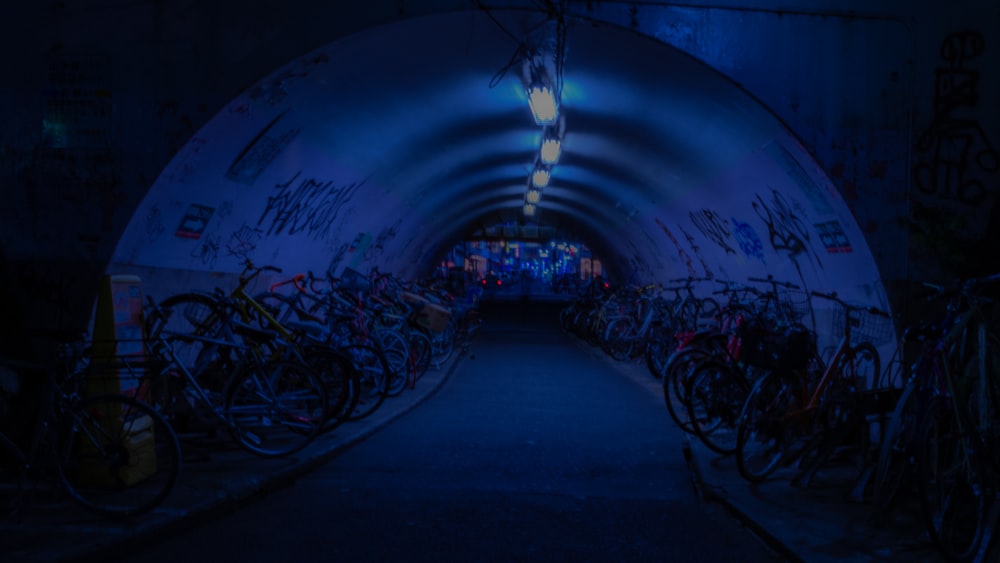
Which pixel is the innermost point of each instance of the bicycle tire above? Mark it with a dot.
(763, 435)
(715, 399)
(421, 351)
(657, 348)
(443, 345)
(894, 465)
(373, 376)
(117, 456)
(676, 378)
(619, 339)
(339, 377)
(277, 409)
(396, 350)
(950, 478)
(199, 314)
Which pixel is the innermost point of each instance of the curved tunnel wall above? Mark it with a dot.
(395, 133)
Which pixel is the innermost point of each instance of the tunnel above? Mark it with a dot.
(387, 147)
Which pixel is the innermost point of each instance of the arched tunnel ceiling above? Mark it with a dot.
(668, 168)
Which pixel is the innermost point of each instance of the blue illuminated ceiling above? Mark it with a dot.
(405, 138)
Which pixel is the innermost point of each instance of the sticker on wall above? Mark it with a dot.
(194, 221)
(833, 237)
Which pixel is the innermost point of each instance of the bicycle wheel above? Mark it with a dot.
(676, 382)
(338, 375)
(657, 348)
(373, 376)
(396, 350)
(421, 351)
(276, 410)
(715, 398)
(951, 481)
(894, 466)
(763, 433)
(199, 314)
(619, 338)
(117, 456)
(442, 345)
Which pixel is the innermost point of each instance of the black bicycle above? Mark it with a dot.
(110, 453)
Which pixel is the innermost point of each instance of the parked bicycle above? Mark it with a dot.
(110, 453)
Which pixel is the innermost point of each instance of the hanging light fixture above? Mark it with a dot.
(529, 209)
(551, 147)
(533, 196)
(541, 92)
(540, 176)
(552, 136)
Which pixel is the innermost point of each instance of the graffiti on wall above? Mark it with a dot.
(697, 252)
(748, 240)
(786, 229)
(243, 241)
(183, 167)
(955, 153)
(681, 253)
(307, 206)
(377, 248)
(154, 223)
(714, 228)
(207, 252)
(260, 152)
(955, 212)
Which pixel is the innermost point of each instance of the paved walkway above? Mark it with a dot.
(814, 524)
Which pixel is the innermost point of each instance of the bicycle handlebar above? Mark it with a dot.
(296, 281)
(832, 296)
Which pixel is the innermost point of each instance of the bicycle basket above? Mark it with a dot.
(785, 349)
(796, 305)
(865, 327)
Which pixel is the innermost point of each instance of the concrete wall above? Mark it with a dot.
(893, 98)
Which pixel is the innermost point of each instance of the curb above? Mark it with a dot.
(228, 500)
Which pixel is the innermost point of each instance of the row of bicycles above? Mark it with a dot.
(272, 370)
(923, 428)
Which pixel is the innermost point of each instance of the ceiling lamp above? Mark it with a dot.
(529, 209)
(551, 147)
(533, 196)
(541, 92)
(552, 136)
(540, 177)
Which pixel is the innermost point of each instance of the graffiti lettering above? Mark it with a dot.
(956, 149)
(685, 257)
(307, 206)
(697, 252)
(207, 252)
(377, 248)
(243, 241)
(787, 232)
(154, 223)
(714, 227)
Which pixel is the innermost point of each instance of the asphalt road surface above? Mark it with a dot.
(533, 450)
